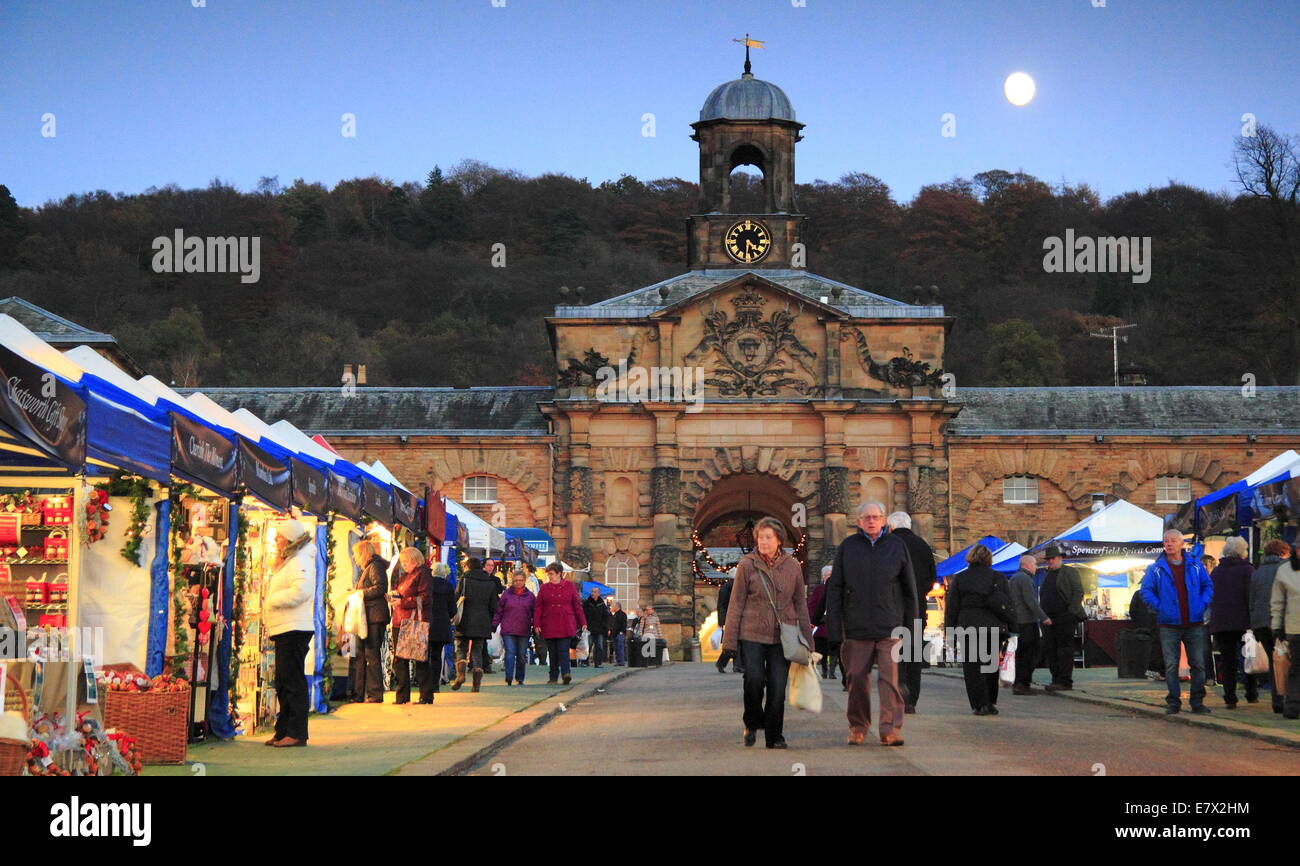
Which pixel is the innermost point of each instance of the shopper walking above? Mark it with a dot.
(871, 593)
(412, 599)
(769, 590)
(923, 569)
(477, 593)
(1061, 597)
(979, 605)
(1178, 589)
(1276, 552)
(618, 634)
(557, 617)
(441, 610)
(373, 586)
(290, 622)
(1284, 607)
(514, 616)
(1029, 616)
(1230, 616)
(817, 617)
(597, 614)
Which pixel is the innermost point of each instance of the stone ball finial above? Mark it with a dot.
(663, 293)
(836, 291)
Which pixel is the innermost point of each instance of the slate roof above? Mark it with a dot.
(646, 300)
(1185, 409)
(49, 327)
(507, 411)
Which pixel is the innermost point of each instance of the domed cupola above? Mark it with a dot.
(746, 121)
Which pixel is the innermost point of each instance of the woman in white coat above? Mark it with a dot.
(290, 622)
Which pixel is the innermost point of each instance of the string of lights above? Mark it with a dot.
(702, 552)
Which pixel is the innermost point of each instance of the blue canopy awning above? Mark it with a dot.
(537, 539)
(957, 562)
(124, 432)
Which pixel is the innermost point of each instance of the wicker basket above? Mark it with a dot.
(13, 753)
(158, 720)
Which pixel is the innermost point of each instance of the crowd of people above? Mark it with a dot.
(874, 590)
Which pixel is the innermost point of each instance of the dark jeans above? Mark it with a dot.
(766, 674)
(981, 687)
(402, 680)
(1026, 653)
(620, 649)
(596, 649)
(1191, 638)
(370, 663)
(436, 653)
(291, 683)
(1058, 647)
(1228, 643)
(558, 650)
(475, 645)
(516, 656)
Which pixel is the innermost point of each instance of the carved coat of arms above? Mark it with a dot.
(749, 347)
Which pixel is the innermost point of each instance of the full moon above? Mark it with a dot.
(1019, 88)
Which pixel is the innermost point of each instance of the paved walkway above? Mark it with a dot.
(379, 739)
(1148, 696)
(684, 719)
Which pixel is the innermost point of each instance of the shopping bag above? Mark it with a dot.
(804, 688)
(354, 615)
(494, 646)
(413, 639)
(1253, 652)
(583, 645)
(1281, 666)
(1007, 667)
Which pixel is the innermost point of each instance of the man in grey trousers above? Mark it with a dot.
(1024, 595)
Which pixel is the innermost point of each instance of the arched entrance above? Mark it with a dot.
(732, 504)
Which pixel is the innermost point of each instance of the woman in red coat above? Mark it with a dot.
(414, 589)
(558, 617)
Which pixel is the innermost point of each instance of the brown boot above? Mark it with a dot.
(460, 675)
(478, 679)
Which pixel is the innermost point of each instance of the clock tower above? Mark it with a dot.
(746, 122)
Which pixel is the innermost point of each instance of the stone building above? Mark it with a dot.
(749, 386)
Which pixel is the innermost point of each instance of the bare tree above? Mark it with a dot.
(1268, 168)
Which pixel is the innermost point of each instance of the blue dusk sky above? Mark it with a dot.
(147, 93)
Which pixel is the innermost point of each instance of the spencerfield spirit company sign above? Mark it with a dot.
(42, 409)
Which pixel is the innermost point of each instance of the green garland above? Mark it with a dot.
(181, 654)
(237, 606)
(140, 490)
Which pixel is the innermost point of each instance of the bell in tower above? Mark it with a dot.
(746, 122)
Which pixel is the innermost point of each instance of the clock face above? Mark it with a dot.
(748, 241)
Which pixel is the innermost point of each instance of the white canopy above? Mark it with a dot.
(481, 533)
(1119, 521)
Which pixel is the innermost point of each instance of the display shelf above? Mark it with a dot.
(62, 605)
(34, 561)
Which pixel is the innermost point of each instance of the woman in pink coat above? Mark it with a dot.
(558, 618)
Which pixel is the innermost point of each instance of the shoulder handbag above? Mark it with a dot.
(413, 639)
(460, 603)
(793, 646)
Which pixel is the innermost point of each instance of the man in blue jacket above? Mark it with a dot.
(1178, 589)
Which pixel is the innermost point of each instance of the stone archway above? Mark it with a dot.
(734, 499)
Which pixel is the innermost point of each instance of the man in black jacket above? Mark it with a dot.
(900, 524)
(724, 601)
(870, 600)
(597, 614)
(618, 634)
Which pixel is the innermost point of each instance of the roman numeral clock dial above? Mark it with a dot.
(748, 241)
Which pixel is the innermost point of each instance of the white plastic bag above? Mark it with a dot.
(1007, 667)
(354, 615)
(583, 645)
(804, 688)
(494, 645)
(1256, 658)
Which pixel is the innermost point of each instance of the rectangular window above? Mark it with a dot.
(480, 489)
(1020, 491)
(1173, 491)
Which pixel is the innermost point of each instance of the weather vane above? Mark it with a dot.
(749, 43)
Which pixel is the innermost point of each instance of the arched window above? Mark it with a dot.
(623, 575)
(480, 489)
(747, 181)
